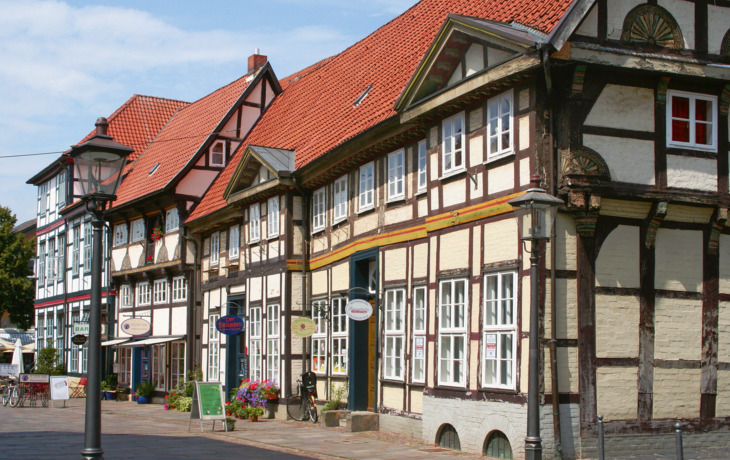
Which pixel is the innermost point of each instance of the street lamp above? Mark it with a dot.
(535, 212)
(98, 165)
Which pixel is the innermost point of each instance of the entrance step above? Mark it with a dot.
(332, 418)
(362, 421)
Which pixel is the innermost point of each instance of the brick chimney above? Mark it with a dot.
(256, 61)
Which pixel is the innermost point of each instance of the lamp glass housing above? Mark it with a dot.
(535, 212)
(99, 171)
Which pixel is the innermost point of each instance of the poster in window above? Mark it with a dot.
(491, 346)
(420, 346)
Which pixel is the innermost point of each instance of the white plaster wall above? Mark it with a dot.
(340, 277)
(722, 405)
(567, 369)
(454, 192)
(524, 130)
(319, 282)
(678, 329)
(179, 321)
(684, 13)
(566, 309)
(617, 326)
(454, 250)
(678, 260)
(718, 19)
(623, 107)
(524, 171)
(365, 223)
(273, 286)
(398, 215)
(476, 150)
(196, 182)
(135, 252)
(500, 241)
(692, 173)
(618, 262)
(617, 392)
(617, 11)
(628, 160)
(501, 178)
(589, 26)
(524, 99)
(565, 241)
(393, 397)
(476, 186)
(723, 333)
(395, 264)
(161, 322)
(420, 260)
(117, 258)
(255, 289)
(676, 393)
(434, 198)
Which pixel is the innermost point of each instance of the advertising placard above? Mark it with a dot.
(229, 325)
(491, 346)
(135, 326)
(208, 403)
(80, 328)
(358, 309)
(59, 387)
(34, 378)
(420, 346)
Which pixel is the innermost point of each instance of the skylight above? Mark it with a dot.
(154, 168)
(362, 96)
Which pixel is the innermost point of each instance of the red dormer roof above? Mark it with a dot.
(317, 111)
(179, 142)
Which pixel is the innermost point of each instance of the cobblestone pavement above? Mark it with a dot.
(146, 432)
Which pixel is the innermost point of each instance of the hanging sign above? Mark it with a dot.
(135, 326)
(358, 309)
(81, 328)
(303, 327)
(78, 339)
(229, 325)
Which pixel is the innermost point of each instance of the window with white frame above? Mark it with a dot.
(172, 220)
(499, 336)
(215, 248)
(75, 248)
(125, 296)
(418, 355)
(60, 327)
(143, 294)
(234, 241)
(396, 175)
(137, 230)
(214, 347)
(42, 199)
(273, 313)
(218, 154)
(160, 291)
(339, 336)
(75, 349)
(319, 338)
(51, 264)
(177, 363)
(367, 187)
(40, 331)
(120, 234)
(340, 199)
(452, 154)
(179, 289)
(61, 259)
(319, 208)
(692, 121)
(254, 223)
(272, 217)
(422, 157)
(42, 264)
(158, 365)
(500, 126)
(394, 328)
(124, 358)
(452, 332)
(87, 246)
(61, 186)
(255, 352)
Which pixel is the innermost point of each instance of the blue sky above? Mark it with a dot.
(63, 64)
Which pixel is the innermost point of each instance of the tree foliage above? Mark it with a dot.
(16, 289)
(47, 362)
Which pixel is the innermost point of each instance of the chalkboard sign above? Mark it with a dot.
(208, 403)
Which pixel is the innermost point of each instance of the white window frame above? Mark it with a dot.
(61, 189)
(339, 192)
(138, 230)
(499, 324)
(213, 153)
(692, 121)
(496, 116)
(179, 289)
(87, 246)
(452, 147)
(340, 325)
(160, 291)
(272, 217)
(319, 209)
(158, 365)
(394, 328)
(420, 310)
(213, 348)
(421, 176)
(121, 234)
(234, 242)
(61, 258)
(177, 363)
(172, 220)
(255, 339)
(52, 260)
(144, 296)
(215, 248)
(254, 223)
(366, 196)
(396, 186)
(125, 296)
(452, 331)
(42, 256)
(319, 338)
(273, 355)
(75, 250)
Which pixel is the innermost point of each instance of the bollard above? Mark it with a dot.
(601, 456)
(678, 434)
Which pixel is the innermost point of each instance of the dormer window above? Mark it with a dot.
(218, 154)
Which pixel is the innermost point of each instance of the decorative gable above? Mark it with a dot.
(465, 49)
(263, 172)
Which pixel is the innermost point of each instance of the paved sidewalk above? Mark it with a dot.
(130, 430)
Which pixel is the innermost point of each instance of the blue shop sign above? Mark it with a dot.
(229, 325)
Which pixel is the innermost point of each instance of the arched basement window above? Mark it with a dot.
(498, 446)
(449, 438)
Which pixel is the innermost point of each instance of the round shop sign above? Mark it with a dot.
(359, 309)
(135, 326)
(303, 327)
(229, 325)
(78, 339)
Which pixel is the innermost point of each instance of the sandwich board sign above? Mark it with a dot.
(59, 389)
(208, 403)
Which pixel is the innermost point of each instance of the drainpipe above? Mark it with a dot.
(193, 292)
(305, 260)
(553, 252)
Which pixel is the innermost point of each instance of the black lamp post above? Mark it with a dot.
(98, 165)
(535, 212)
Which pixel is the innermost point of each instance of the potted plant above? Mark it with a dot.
(108, 390)
(269, 390)
(253, 413)
(230, 424)
(144, 391)
(157, 233)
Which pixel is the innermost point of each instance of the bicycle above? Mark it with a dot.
(302, 406)
(11, 393)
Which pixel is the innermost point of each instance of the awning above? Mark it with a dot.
(109, 343)
(152, 341)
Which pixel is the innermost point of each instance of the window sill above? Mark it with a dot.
(422, 192)
(393, 380)
(396, 200)
(317, 230)
(366, 209)
(454, 173)
(272, 237)
(501, 156)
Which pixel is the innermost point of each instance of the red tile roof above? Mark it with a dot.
(178, 142)
(315, 113)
